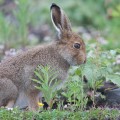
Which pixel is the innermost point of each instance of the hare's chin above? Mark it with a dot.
(75, 63)
(72, 62)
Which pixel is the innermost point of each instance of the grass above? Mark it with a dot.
(96, 114)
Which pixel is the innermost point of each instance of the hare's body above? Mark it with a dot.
(22, 66)
(17, 72)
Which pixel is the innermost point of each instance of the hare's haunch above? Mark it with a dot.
(16, 73)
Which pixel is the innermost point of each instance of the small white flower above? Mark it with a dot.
(9, 108)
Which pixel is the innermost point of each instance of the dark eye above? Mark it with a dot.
(76, 45)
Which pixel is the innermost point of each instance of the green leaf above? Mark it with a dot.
(118, 50)
(47, 81)
(114, 78)
(39, 76)
(37, 81)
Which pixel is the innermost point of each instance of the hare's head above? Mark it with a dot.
(70, 45)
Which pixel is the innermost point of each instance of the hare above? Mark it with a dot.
(16, 73)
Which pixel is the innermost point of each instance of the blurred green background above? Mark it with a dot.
(28, 22)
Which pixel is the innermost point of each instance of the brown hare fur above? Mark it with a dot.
(16, 72)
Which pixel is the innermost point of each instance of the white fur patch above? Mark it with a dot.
(62, 18)
(68, 57)
(56, 27)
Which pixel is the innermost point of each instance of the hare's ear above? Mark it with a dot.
(59, 19)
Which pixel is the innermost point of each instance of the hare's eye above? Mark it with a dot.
(76, 45)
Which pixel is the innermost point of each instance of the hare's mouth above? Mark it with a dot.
(71, 60)
(75, 62)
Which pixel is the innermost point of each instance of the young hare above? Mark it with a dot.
(16, 73)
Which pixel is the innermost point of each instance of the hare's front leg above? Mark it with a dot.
(30, 90)
(8, 93)
(33, 99)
